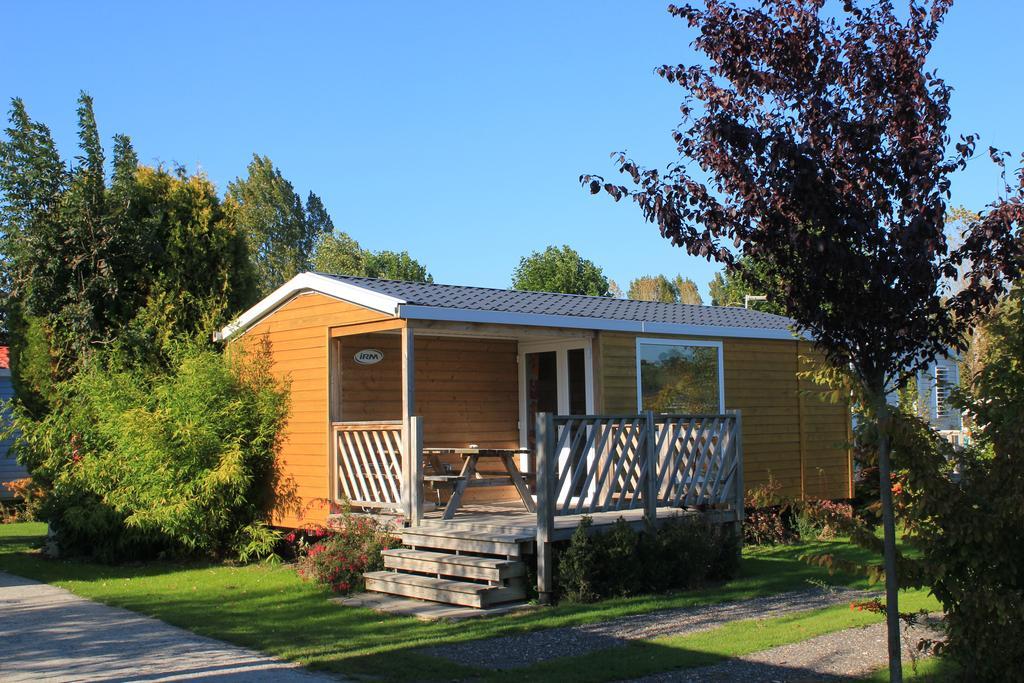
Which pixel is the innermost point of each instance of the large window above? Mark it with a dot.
(679, 376)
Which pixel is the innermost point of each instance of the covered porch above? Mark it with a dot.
(476, 390)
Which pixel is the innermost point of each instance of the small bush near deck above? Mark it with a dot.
(683, 553)
(338, 555)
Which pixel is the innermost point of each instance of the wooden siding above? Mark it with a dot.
(827, 433)
(789, 433)
(467, 390)
(298, 333)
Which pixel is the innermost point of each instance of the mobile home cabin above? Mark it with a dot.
(513, 413)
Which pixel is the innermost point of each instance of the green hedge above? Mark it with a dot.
(137, 463)
(685, 552)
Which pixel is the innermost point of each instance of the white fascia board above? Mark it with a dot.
(465, 315)
(721, 331)
(311, 282)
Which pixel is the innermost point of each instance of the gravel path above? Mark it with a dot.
(510, 652)
(47, 633)
(839, 656)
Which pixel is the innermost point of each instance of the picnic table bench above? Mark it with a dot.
(471, 476)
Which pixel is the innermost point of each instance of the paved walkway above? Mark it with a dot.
(510, 652)
(47, 633)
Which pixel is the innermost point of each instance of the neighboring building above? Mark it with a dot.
(934, 384)
(9, 467)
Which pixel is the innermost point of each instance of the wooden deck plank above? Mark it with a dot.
(509, 519)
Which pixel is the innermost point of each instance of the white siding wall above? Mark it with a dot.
(9, 467)
(931, 406)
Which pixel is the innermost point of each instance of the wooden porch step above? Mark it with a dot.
(443, 590)
(512, 529)
(459, 566)
(461, 540)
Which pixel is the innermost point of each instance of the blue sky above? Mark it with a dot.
(455, 130)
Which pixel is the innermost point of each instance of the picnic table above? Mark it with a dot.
(472, 476)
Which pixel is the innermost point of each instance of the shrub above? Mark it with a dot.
(683, 553)
(764, 522)
(620, 573)
(765, 527)
(964, 510)
(337, 556)
(823, 519)
(966, 526)
(579, 566)
(137, 463)
(725, 564)
(27, 497)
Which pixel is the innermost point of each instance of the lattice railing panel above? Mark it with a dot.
(369, 462)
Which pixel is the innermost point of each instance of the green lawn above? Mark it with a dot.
(270, 609)
(931, 670)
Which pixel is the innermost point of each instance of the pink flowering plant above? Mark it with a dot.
(338, 555)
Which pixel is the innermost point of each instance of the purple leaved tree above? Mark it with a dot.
(816, 143)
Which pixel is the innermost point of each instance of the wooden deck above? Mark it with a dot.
(480, 558)
(643, 469)
(512, 519)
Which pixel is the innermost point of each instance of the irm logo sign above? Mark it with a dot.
(368, 356)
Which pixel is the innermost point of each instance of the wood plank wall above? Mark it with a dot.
(827, 430)
(298, 333)
(467, 390)
(798, 439)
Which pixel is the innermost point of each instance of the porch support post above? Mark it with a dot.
(334, 415)
(408, 408)
(740, 501)
(545, 505)
(650, 492)
(416, 469)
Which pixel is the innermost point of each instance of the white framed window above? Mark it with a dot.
(680, 376)
(944, 381)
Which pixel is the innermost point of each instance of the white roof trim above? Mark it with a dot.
(311, 282)
(465, 315)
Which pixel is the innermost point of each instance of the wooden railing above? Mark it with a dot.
(368, 463)
(698, 461)
(600, 463)
(587, 464)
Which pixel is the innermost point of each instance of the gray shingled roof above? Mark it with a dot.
(548, 303)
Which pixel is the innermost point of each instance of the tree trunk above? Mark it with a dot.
(892, 612)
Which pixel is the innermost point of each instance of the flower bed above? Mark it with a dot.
(338, 555)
